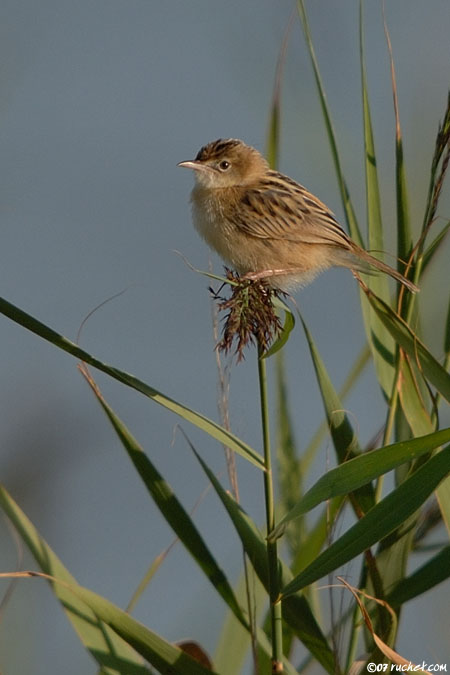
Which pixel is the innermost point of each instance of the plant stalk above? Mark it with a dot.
(272, 553)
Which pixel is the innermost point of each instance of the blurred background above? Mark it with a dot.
(99, 101)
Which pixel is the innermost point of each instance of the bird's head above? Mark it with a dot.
(226, 163)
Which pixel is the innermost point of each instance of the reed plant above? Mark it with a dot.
(285, 557)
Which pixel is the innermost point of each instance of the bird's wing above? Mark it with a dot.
(290, 214)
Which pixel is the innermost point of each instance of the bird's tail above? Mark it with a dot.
(362, 261)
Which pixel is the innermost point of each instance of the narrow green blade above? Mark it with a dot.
(404, 237)
(166, 657)
(289, 463)
(227, 660)
(432, 573)
(198, 420)
(381, 520)
(288, 326)
(317, 536)
(296, 610)
(352, 223)
(273, 134)
(434, 247)
(443, 498)
(416, 350)
(171, 508)
(415, 398)
(235, 642)
(344, 438)
(352, 377)
(361, 470)
(381, 342)
(110, 651)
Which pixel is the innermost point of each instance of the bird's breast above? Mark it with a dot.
(212, 220)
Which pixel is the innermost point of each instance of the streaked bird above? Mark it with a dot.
(266, 225)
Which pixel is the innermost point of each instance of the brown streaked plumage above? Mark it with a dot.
(265, 224)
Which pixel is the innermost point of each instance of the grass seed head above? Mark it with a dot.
(250, 315)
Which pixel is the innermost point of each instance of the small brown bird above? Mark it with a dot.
(265, 224)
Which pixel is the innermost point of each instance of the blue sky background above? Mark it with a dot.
(99, 101)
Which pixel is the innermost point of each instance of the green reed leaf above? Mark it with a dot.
(344, 438)
(166, 657)
(171, 508)
(416, 350)
(296, 611)
(380, 521)
(429, 575)
(208, 426)
(111, 652)
(350, 216)
(288, 327)
(361, 470)
(404, 237)
(380, 341)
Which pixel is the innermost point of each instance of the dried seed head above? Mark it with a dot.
(250, 315)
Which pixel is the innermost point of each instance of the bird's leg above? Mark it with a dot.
(255, 276)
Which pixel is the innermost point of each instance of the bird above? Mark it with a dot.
(266, 225)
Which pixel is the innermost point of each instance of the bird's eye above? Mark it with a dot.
(224, 165)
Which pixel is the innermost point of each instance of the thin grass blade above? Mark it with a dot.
(208, 426)
(354, 373)
(361, 470)
(350, 216)
(289, 463)
(434, 247)
(288, 326)
(391, 564)
(235, 643)
(412, 398)
(296, 610)
(171, 508)
(229, 661)
(429, 575)
(380, 521)
(404, 237)
(317, 536)
(273, 134)
(166, 657)
(447, 332)
(443, 498)
(381, 342)
(344, 438)
(439, 165)
(416, 350)
(374, 220)
(111, 652)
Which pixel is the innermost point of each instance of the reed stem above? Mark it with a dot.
(272, 553)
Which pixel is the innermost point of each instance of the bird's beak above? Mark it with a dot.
(194, 164)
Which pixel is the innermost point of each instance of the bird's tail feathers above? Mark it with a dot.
(361, 261)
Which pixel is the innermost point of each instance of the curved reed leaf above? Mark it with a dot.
(380, 521)
(288, 326)
(381, 342)
(416, 350)
(344, 438)
(435, 245)
(112, 653)
(296, 611)
(432, 573)
(208, 426)
(361, 470)
(171, 508)
(404, 237)
(345, 195)
(414, 397)
(166, 657)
